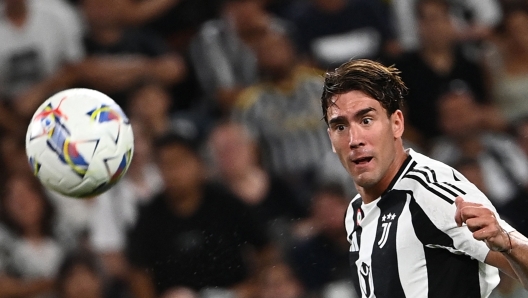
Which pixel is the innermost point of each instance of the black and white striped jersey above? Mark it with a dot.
(287, 124)
(407, 243)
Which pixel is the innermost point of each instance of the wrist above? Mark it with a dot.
(508, 249)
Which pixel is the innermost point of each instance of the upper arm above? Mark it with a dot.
(437, 204)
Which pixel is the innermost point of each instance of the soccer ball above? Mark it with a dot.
(79, 143)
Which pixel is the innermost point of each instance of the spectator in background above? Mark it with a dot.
(80, 276)
(320, 254)
(223, 52)
(180, 24)
(504, 167)
(519, 130)
(430, 70)
(236, 164)
(30, 252)
(507, 61)
(278, 280)
(13, 154)
(283, 113)
(39, 43)
(331, 32)
(151, 104)
(114, 213)
(71, 216)
(195, 233)
(474, 20)
(118, 58)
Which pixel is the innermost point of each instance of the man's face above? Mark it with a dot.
(458, 115)
(435, 26)
(364, 137)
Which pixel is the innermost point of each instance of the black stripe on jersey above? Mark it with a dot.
(453, 186)
(448, 274)
(446, 183)
(354, 255)
(426, 186)
(455, 177)
(384, 257)
(435, 182)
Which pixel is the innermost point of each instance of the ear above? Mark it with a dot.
(397, 122)
(333, 148)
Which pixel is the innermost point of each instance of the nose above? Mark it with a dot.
(355, 137)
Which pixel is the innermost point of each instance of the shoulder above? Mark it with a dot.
(432, 181)
(249, 97)
(304, 71)
(57, 12)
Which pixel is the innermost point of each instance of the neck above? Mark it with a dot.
(242, 175)
(471, 145)
(159, 125)
(372, 193)
(185, 204)
(251, 186)
(32, 233)
(106, 36)
(440, 59)
(17, 13)
(519, 51)
(135, 171)
(285, 79)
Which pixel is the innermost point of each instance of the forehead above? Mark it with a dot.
(351, 102)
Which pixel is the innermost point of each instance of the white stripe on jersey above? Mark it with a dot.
(410, 251)
(368, 240)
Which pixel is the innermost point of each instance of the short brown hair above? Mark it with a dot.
(372, 78)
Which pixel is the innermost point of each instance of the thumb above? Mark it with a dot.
(458, 215)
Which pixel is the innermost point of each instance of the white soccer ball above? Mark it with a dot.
(79, 143)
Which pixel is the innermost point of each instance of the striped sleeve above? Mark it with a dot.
(435, 198)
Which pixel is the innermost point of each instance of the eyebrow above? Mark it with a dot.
(358, 114)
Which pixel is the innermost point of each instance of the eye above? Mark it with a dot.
(366, 121)
(340, 127)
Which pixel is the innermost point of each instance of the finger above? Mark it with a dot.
(460, 204)
(489, 229)
(479, 223)
(459, 200)
(472, 212)
(458, 217)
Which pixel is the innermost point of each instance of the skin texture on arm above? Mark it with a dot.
(509, 252)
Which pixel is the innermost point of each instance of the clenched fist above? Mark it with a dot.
(482, 222)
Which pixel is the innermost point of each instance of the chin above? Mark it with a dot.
(365, 181)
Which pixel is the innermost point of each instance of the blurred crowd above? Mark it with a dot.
(233, 190)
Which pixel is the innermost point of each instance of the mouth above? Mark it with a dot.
(362, 160)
